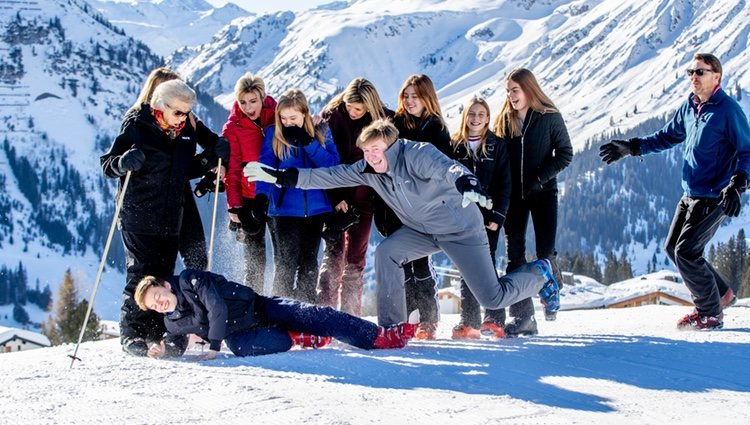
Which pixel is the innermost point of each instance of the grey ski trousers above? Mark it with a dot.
(470, 254)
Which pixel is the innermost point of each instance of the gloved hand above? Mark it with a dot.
(532, 187)
(260, 207)
(492, 216)
(296, 136)
(131, 160)
(255, 171)
(731, 196)
(469, 186)
(617, 149)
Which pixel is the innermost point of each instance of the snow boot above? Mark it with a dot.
(465, 332)
(550, 292)
(521, 326)
(492, 328)
(426, 331)
(396, 336)
(309, 341)
(697, 322)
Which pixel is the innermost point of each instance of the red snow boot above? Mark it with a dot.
(395, 336)
(696, 322)
(309, 341)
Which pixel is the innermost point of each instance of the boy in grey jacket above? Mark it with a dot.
(435, 198)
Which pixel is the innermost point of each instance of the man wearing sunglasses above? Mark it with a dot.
(714, 175)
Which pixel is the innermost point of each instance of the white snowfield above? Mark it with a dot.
(619, 366)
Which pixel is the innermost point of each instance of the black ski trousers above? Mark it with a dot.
(694, 223)
(542, 206)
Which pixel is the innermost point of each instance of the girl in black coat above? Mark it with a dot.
(539, 148)
(418, 118)
(477, 148)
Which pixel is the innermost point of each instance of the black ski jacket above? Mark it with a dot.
(492, 169)
(539, 154)
(154, 198)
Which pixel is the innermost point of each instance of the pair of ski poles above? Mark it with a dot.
(118, 207)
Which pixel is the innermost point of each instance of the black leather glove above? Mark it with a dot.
(470, 187)
(131, 160)
(617, 149)
(532, 187)
(260, 207)
(249, 223)
(296, 136)
(731, 196)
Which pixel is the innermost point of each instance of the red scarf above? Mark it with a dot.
(171, 131)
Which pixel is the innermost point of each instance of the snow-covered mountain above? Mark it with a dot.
(167, 25)
(606, 64)
(67, 76)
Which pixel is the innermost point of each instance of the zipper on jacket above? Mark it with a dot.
(523, 137)
(400, 186)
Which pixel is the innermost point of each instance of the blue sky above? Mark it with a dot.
(259, 6)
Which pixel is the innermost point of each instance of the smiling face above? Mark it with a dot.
(374, 151)
(477, 119)
(356, 110)
(703, 86)
(413, 104)
(250, 104)
(291, 117)
(517, 97)
(160, 298)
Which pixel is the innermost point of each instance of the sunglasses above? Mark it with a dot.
(177, 113)
(698, 71)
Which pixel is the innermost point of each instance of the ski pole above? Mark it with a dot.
(118, 206)
(213, 219)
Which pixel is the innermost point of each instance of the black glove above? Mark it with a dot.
(731, 196)
(470, 187)
(617, 149)
(533, 187)
(341, 221)
(491, 216)
(296, 136)
(248, 222)
(131, 160)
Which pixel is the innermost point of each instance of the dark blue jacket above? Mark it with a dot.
(717, 143)
(210, 306)
(293, 202)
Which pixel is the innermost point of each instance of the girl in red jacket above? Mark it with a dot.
(252, 112)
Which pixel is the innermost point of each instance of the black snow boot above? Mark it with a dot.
(521, 326)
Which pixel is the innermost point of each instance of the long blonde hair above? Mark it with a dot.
(156, 77)
(361, 91)
(425, 90)
(506, 124)
(461, 137)
(293, 99)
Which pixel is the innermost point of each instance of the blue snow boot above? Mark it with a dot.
(550, 292)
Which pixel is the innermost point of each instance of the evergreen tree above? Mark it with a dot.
(69, 315)
(20, 315)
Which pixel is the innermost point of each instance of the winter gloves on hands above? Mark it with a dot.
(731, 196)
(469, 186)
(131, 160)
(255, 171)
(296, 136)
(617, 149)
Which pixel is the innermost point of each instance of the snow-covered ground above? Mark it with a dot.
(619, 366)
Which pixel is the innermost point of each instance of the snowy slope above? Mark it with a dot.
(598, 60)
(168, 24)
(625, 366)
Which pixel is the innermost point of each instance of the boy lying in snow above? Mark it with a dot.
(215, 309)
